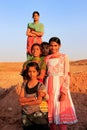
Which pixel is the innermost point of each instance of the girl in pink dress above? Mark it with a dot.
(61, 110)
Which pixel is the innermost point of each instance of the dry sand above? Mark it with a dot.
(10, 80)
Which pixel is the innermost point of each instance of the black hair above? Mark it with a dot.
(35, 12)
(44, 43)
(55, 39)
(24, 74)
(32, 64)
(35, 44)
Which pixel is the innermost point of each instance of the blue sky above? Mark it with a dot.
(66, 19)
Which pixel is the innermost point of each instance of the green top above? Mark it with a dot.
(38, 27)
(41, 63)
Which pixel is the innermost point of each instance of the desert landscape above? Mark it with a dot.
(10, 86)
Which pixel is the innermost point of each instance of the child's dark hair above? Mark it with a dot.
(35, 44)
(55, 39)
(24, 74)
(32, 64)
(35, 12)
(44, 43)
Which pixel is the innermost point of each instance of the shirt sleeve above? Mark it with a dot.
(42, 88)
(66, 83)
(28, 25)
(42, 28)
(31, 26)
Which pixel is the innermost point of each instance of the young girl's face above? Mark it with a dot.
(32, 72)
(36, 52)
(36, 17)
(54, 47)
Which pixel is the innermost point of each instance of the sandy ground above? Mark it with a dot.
(10, 81)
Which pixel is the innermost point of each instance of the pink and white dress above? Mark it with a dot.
(58, 81)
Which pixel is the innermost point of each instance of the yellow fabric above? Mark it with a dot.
(44, 106)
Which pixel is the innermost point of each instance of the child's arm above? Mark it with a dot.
(28, 99)
(36, 101)
(37, 33)
(65, 83)
(43, 70)
(62, 96)
(42, 74)
(29, 33)
(23, 99)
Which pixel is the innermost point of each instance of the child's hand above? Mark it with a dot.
(62, 96)
(32, 30)
(42, 94)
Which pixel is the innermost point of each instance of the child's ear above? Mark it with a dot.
(38, 73)
(40, 52)
(60, 45)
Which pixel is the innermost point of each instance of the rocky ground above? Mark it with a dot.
(10, 80)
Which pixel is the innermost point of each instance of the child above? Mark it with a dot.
(36, 57)
(45, 48)
(31, 96)
(45, 52)
(34, 32)
(61, 110)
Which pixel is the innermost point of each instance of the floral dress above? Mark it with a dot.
(59, 112)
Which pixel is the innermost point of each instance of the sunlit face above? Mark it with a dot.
(54, 47)
(36, 17)
(32, 72)
(36, 52)
(45, 50)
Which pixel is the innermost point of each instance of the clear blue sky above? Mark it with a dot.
(66, 19)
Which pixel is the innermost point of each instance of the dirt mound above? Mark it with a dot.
(79, 62)
(10, 110)
(79, 82)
